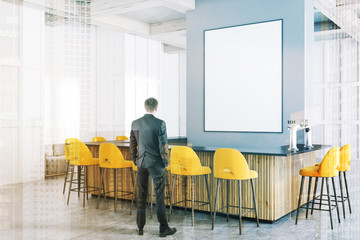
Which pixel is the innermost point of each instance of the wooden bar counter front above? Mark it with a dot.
(277, 186)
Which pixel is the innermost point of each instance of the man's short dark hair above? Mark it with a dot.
(151, 104)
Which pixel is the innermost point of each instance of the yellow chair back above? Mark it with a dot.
(184, 161)
(80, 154)
(110, 156)
(345, 158)
(68, 141)
(99, 139)
(230, 164)
(330, 163)
(121, 138)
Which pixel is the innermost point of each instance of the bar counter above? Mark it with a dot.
(277, 186)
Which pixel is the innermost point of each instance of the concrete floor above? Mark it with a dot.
(38, 210)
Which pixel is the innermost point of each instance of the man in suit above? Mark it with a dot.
(149, 151)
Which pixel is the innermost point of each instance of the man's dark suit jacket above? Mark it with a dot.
(148, 142)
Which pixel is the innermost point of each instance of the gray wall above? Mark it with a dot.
(297, 39)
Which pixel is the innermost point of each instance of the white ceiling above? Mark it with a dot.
(165, 20)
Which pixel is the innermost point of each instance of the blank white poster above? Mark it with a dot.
(243, 78)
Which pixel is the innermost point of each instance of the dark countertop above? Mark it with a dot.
(272, 151)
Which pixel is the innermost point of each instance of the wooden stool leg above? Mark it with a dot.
(208, 192)
(321, 192)
(336, 199)
(347, 192)
(314, 196)
(134, 192)
(71, 180)
(171, 197)
(301, 189)
(84, 185)
(66, 174)
(104, 186)
(254, 199)
(115, 189)
(227, 199)
(79, 179)
(100, 186)
(240, 223)
(216, 197)
(87, 184)
(192, 199)
(341, 193)
(308, 197)
(329, 201)
(185, 179)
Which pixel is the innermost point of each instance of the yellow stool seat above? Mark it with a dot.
(345, 158)
(328, 168)
(230, 164)
(67, 158)
(110, 157)
(99, 139)
(121, 138)
(228, 174)
(181, 170)
(80, 156)
(185, 162)
(312, 171)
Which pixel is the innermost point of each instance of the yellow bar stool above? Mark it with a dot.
(326, 169)
(344, 166)
(345, 161)
(80, 156)
(121, 138)
(185, 162)
(110, 157)
(230, 164)
(134, 167)
(67, 159)
(99, 139)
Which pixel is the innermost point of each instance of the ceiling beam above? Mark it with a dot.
(123, 23)
(168, 27)
(181, 6)
(126, 7)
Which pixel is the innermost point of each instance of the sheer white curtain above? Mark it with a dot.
(336, 90)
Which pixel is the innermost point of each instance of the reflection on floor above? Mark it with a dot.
(38, 210)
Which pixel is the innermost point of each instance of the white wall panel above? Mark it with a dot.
(32, 95)
(32, 154)
(111, 83)
(141, 53)
(118, 57)
(153, 59)
(169, 103)
(118, 101)
(11, 165)
(32, 32)
(104, 100)
(130, 54)
(9, 30)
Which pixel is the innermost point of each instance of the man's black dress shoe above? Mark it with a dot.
(140, 232)
(169, 231)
